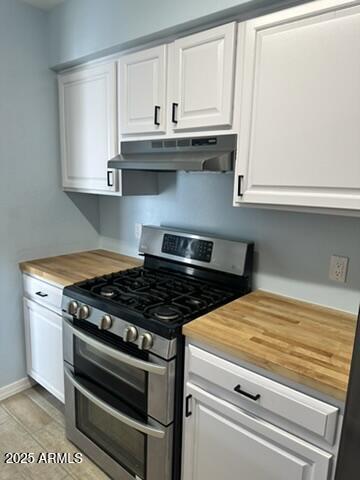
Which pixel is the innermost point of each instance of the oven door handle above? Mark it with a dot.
(122, 357)
(141, 427)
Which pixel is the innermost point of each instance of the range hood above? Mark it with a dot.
(200, 154)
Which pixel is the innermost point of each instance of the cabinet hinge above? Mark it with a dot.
(240, 182)
(188, 411)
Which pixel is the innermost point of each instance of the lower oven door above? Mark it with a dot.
(123, 444)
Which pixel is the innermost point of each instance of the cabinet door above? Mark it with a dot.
(299, 141)
(88, 126)
(142, 91)
(203, 82)
(44, 353)
(223, 442)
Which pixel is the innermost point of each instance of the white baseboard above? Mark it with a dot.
(16, 387)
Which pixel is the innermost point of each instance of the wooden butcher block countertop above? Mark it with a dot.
(68, 269)
(306, 343)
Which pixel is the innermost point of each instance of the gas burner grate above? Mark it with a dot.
(161, 296)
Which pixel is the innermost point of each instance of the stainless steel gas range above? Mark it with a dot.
(123, 348)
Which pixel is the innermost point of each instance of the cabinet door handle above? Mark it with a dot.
(41, 294)
(240, 181)
(110, 178)
(174, 109)
(246, 394)
(188, 411)
(156, 115)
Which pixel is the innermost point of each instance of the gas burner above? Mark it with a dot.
(166, 313)
(108, 291)
(192, 302)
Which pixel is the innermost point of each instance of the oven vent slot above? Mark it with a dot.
(184, 142)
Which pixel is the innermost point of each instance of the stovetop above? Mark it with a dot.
(165, 299)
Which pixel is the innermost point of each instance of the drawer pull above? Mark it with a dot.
(246, 394)
(41, 294)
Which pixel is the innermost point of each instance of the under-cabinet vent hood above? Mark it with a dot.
(200, 154)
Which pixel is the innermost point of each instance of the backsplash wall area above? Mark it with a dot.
(292, 249)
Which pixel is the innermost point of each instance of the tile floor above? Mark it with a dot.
(33, 421)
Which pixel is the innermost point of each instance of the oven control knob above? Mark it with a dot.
(130, 334)
(73, 307)
(105, 323)
(83, 312)
(146, 341)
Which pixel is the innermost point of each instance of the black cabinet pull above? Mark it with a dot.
(174, 108)
(246, 394)
(240, 179)
(156, 115)
(41, 294)
(110, 178)
(188, 411)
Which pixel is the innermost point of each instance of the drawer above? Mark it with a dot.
(307, 412)
(43, 292)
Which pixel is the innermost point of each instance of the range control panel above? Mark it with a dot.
(187, 247)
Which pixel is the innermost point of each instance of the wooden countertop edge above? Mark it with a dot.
(273, 368)
(35, 267)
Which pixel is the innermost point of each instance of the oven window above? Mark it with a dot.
(124, 381)
(124, 444)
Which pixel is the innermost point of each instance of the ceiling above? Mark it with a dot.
(44, 4)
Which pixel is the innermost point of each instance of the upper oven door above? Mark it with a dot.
(140, 379)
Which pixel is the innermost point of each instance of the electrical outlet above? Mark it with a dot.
(138, 228)
(338, 268)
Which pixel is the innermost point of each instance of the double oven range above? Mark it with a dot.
(123, 349)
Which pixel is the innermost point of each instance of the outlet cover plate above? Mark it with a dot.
(338, 268)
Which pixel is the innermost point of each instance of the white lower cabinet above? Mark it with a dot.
(239, 424)
(44, 352)
(222, 441)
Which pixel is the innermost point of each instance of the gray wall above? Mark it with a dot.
(36, 218)
(80, 29)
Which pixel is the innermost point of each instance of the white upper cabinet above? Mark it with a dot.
(299, 142)
(142, 91)
(88, 126)
(203, 79)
